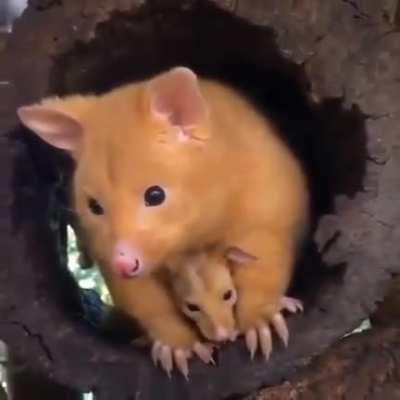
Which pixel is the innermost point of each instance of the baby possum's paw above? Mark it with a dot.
(260, 336)
(168, 356)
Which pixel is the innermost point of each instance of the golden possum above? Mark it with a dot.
(173, 164)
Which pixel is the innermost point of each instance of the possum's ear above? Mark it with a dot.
(175, 96)
(238, 256)
(54, 127)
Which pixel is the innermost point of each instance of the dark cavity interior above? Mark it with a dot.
(329, 140)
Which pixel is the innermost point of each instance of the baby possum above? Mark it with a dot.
(204, 289)
(205, 292)
(201, 285)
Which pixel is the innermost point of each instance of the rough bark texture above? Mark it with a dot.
(23, 384)
(388, 312)
(363, 366)
(344, 52)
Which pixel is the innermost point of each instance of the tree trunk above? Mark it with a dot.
(363, 366)
(27, 385)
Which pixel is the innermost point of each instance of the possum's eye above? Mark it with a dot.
(227, 295)
(230, 296)
(95, 207)
(154, 196)
(192, 307)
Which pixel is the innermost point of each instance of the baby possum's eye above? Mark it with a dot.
(230, 296)
(192, 307)
(95, 206)
(227, 295)
(154, 196)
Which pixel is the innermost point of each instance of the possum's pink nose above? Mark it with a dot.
(221, 334)
(126, 261)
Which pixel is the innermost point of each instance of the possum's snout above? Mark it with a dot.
(221, 334)
(126, 261)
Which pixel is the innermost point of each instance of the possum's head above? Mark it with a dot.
(138, 151)
(205, 292)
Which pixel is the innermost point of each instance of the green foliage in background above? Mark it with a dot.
(87, 278)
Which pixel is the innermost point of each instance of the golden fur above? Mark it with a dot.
(202, 280)
(234, 182)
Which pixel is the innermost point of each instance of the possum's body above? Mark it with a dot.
(226, 176)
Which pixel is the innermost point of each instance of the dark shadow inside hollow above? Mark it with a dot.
(329, 140)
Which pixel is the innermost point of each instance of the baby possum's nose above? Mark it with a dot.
(126, 261)
(221, 334)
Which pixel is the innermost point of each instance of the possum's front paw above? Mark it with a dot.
(174, 342)
(291, 304)
(169, 356)
(258, 334)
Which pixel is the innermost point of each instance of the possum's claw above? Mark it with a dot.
(259, 337)
(281, 328)
(204, 352)
(278, 321)
(167, 357)
(156, 352)
(265, 337)
(251, 342)
(291, 304)
(181, 361)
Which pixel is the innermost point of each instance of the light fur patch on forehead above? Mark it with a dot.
(219, 277)
(212, 272)
(194, 271)
(187, 280)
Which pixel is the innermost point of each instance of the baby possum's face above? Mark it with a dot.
(205, 292)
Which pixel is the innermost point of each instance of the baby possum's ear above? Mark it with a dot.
(175, 96)
(52, 124)
(237, 256)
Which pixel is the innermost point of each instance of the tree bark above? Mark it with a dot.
(363, 366)
(388, 312)
(26, 385)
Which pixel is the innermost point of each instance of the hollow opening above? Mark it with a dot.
(328, 139)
